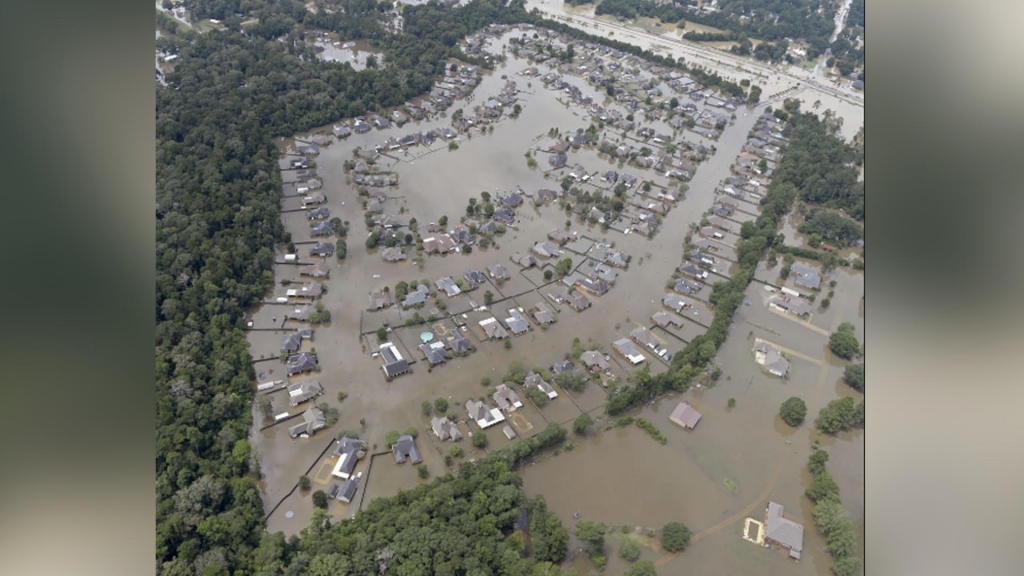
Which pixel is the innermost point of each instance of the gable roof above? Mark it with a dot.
(783, 531)
(685, 415)
(405, 449)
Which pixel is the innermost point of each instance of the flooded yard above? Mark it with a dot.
(709, 478)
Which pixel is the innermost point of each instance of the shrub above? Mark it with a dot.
(426, 408)
(441, 405)
(479, 440)
(422, 471)
(843, 342)
(629, 550)
(304, 483)
(854, 376)
(320, 499)
(580, 425)
(455, 451)
(391, 437)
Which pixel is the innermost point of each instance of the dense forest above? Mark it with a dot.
(668, 12)
(815, 160)
(773, 20)
(218, 191)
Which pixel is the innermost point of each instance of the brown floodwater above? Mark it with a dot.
(630, 477)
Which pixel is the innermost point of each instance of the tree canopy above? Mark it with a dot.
(675, 536)
(793, 411)
(843, 342)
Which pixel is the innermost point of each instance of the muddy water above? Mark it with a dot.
(745, 444)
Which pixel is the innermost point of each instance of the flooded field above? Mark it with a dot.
(709, 478)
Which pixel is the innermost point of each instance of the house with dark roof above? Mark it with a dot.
(303, 392)
(692, 271)
(405, 449)
(685, 416)
(318, 270)
(547, 195)
(347, 491)
(434, 352)
(596, 287)
(321, 229)
(688, 287)
(348, 455)
(321, 213)
(546, 250)
(513, 200)
(782, 531)
(341, 131)
(292, 342)
(393, 254)
(323, 249)
(489, 227)
(524, 259)
(459, 343)
(504, 215)
(558, 160)
(301, 362)
(563, 366)
(475, 278)
(313, 419)
(444, 429)
(645, 337)
(395, 369)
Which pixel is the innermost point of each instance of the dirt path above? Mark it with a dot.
(759, 501)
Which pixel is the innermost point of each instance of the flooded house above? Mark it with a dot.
(542, 314)
(405, 449)
(577, 301)
(380, 299)
(445, 430)
(321, 213)
(460, 344)
(626, 348)
(474, 278)
(434, 352)
(516, 323)
(482, 414)
(448, 286)
(692, 271)
(493, 329)
(293, 341)
(322, 249)
(394, 364)
(301, 362)
(498, 271)
(674, 303)
(666, 320)
(688, 287)
(303, 392)
(313, 419)
(594, 359)
(783, 532)
(416, 296)
(523, 259)
(348, 456)
(805, 276)
(393, 254)
(535, 380)
(768, 356)
(685, 416)
(506, 398)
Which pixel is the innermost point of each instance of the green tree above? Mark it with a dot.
(732, 403)
(846, 566)
(592, 534)
(842, 541)
(843, 342)
(488, 297)
(304, 483)
(577, 348)
(673, 103)
(441, 405)
(391, 437)
(425, 407)
(675, 536)
(455, 451)
(423, 471)
(793, 411)
(629, 550)
(320, 499)
(817, 461)
(853, 375)
(642, 568)
(829, 514)
(823, 487)
(412, 431)
(581, 423)
(564, 266)
(548, 274)
(480, 440)
(382, 334)
(485, 381)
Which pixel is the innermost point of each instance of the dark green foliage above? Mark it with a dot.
(304, 483)
(817, 462)
(853, 375)
(480, 440)
(669, 13)
(651, 429)
(843, 342)
(320, 499)
(592, 534)
(839, 415)
(770, 20)
(581, 424)
(548, 538)
(422, 471)
(629, 550)
(564, 266)
(823, 487)
(441, 405)
(675, 536)
(571, 381)
(832, 228)
(793, 411)
(426, 408)
(537, 396)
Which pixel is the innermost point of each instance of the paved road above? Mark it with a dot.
(555, 9)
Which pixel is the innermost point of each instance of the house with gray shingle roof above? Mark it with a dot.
(768, 356)
(313, 419)
(685, 416)
(448, 285)
(782, 531)
(303, 392)
(507, 399)
(434, 352)
(482, 414)
(301, 362)
(405, 449)
(444, 429)
(348, 455)
(498, 271)
(460, 343)
(493, 329)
